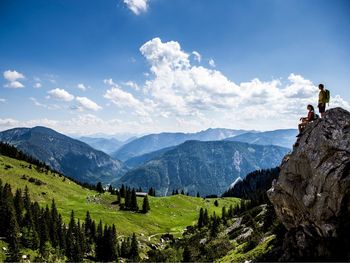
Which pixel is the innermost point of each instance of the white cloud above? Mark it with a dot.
(137, 6)
(124, 99)
(205, 96)
(132, 85)
(12, 76)
(60, 94)
(212, 63)
(197, 56)
(88, 104)
(81, 86)
(2, 100)
(109, 82)
(83, 124)
(42, 105)
(14, 85)
(37, 85)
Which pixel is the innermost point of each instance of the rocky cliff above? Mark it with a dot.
(312, 195)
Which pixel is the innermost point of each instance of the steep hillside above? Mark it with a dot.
(207, 167)
(107, 145)
(283, 138)
(64, 154)
(142, 159)
(155, 142)
(171, 214)
(254, 185)
(312, 194)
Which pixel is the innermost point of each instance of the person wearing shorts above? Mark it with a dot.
(322, 100)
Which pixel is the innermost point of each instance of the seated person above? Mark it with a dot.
(305, 120)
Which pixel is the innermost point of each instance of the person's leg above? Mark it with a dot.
(322, 109)
(300, 127)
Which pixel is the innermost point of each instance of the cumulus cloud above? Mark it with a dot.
(60, 94)
(81, 86)
(123, 99)
(137, 6)
(2, 100)
(205, 96)
(88, 104)
(12, 76)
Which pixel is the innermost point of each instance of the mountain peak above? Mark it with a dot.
(312, 194)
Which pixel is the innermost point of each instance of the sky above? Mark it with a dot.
(88, 67)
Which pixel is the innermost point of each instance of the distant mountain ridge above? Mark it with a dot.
(107, 145)
(208, 167)
(64, 154)
(154, 142)
(282, 137)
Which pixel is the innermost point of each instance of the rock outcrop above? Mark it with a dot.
(312, 195)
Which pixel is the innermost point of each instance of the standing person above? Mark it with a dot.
(322, 100)
(311, 116)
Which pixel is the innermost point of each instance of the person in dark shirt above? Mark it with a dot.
(305, 120)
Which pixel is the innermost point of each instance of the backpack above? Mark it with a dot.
(328, 96)
(316, 117)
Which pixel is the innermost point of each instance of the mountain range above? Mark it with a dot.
(283, 138)
(64, 154)
(107, 145)
(205, 167)
(154, 142)
(209, 163)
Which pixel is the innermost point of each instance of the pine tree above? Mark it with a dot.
(205, 217)
(133, 202)
(214, 225)
(110, 189)
(216, 203)
(223, 212)
(26, 199)
(182, 192)
(99, 242)
(119, 200)
(198, 194)
(134, 249)
(12, 230)
(61, 234)
(99, 188)
(201, 219)
(145, 205)
(122, 191)
(19, 206)
(53, 226)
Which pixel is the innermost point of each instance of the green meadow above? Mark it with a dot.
(169, 214)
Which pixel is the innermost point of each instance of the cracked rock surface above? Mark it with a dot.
(312, 194)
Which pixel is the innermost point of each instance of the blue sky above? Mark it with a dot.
(139, 66)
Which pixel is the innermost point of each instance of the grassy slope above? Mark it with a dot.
(168, 214)
(237, 255)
